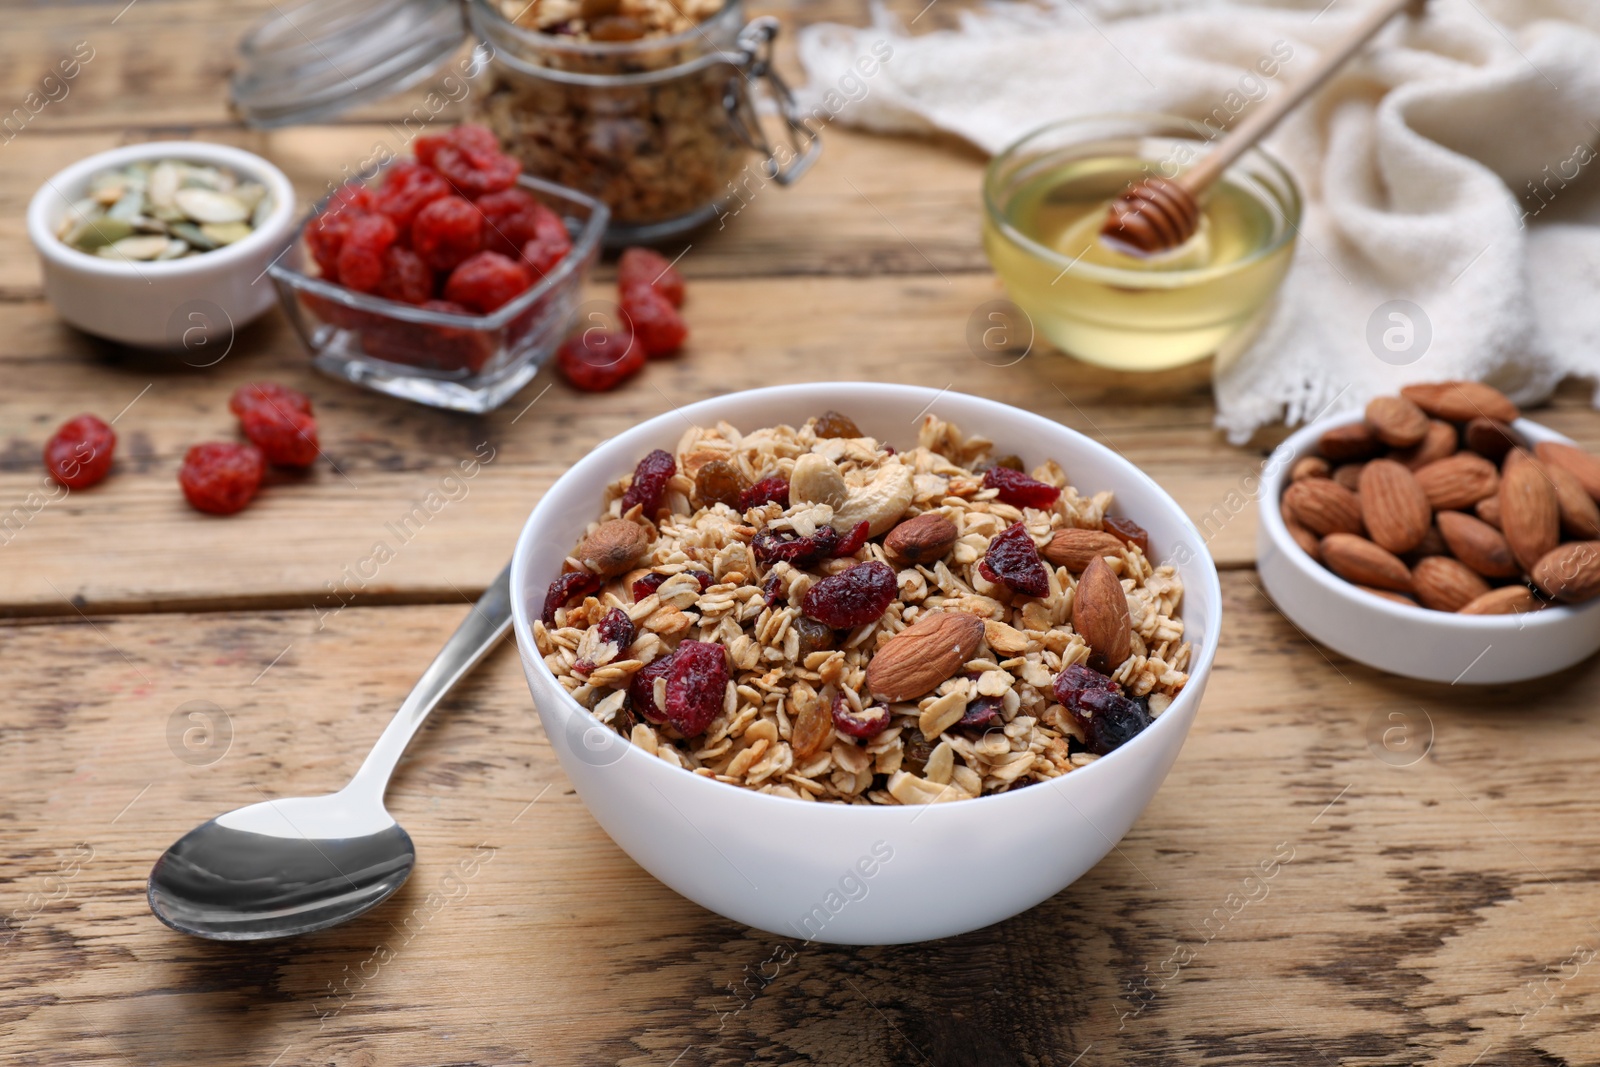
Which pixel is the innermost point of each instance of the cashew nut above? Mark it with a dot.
(879, 503)
(816, 480)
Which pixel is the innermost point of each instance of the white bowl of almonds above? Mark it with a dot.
(1438, 535)
(863, 677)
(163, 244)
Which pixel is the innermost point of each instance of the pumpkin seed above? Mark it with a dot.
(145, 246)
(175, 249)
(207, 205)
(225, 233)
(163, 209)
(95, 233)
(189, 232)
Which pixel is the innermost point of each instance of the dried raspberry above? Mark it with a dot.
(771, 545)
(487, 281)
(653, 581)
(509, 220)
(407, 189)
(1013, 561)
(868, 722)
(656, 323)
(258, 393)
(982, 712)
(1128, 532)
(221, 477)
(597, 360)
(361, 255)
(549, 245)
(649, 482)
(851, 543)
(696, 684)
(1019, 490)
(447, 232)
(853, 597)
(565, 588)
(1108, 717)
(406, 277)
(285, 436)
(774, 490)
(78, 455)
(617, 630)
(641, 266)
(642, 690)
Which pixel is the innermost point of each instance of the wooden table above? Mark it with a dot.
(1432, 896)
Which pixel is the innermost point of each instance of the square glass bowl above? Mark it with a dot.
(461, 362)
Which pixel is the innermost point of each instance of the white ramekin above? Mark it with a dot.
(1434, 646)
(175, 304)
(854, 874)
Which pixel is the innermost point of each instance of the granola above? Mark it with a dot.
(727, 638)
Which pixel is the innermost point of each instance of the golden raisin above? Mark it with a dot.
(814, 636)
(833, 424)
(719, 483)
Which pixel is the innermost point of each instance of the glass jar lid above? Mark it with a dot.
(327, 56)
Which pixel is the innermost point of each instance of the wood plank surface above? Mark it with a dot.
(1428, 901)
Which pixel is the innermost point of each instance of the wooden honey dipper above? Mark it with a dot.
(1159, 214)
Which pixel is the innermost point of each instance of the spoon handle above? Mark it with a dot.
(483, 627)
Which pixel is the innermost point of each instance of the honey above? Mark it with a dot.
(1119, 309)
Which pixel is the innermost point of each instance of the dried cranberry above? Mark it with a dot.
(565, 588)
(774, 490)
(653, 581)
(718, 482)
(649, 482)
(641, 266)
(1078, 679)
(853, 597)
(771, 545)
(833, 424)
(851, 542)
(78, 455)
(325, 235)
(655, 321)
(982, 712)
(1109, 719)
(597, 360)
(642, 689)
(475, 170)
(271, 394)
(549, 245)
(772, 589)
(406, 277)
(868, 722)
(285, 436)
(447, 232)
(487, 281)
(615, 629)
(1013, 561)
(696, 684)
(221, 478)
(361, 254)
(1128, 532)
(508, 220)
(1019, 490)
(448, 348)
(407, 189)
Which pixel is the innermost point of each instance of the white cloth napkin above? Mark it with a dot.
(1450, 165)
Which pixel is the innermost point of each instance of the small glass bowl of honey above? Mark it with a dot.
(1046, 197)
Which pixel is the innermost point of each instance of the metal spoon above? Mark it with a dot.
(284, 867)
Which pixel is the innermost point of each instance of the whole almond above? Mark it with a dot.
(1309, 542)
(1348, 475)
(1458, 481)
(1309, 467)
(914, 661)
(1396, 421)
(1570, 572)
(1075, 549)
(926, 538)
(1100, 616)
(1507, 600)
(1439, 443)
(1353, 440)
(1445, 584)
(1461, 401)
(1488, 509)
(1574, 459)
(1478, 545)
(1355, 559)
(1580, 517)
(1530, 514)
(1387, 595)
(1393, 506)
(613, 547)
(1491, 438)
(1323, 506)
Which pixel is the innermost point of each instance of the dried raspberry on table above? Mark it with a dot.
(853, 597)
(597, 360)
(407, 189)
(868, 722)
(697, 681)
(360, 264)
(448, 232)
(269, 393)
(285, 436)
(642, 266)
(220, 477)
(649, 483)
(567, 587)
(774, 490)
(656, 323)
(486, 282)
(406, 277)
(79, 454)
(770, 546)
(1013, 561)
(1019, 490)
(549, 244)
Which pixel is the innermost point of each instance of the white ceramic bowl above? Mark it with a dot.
(178, 304)
(1434, 646)
(855, 874)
